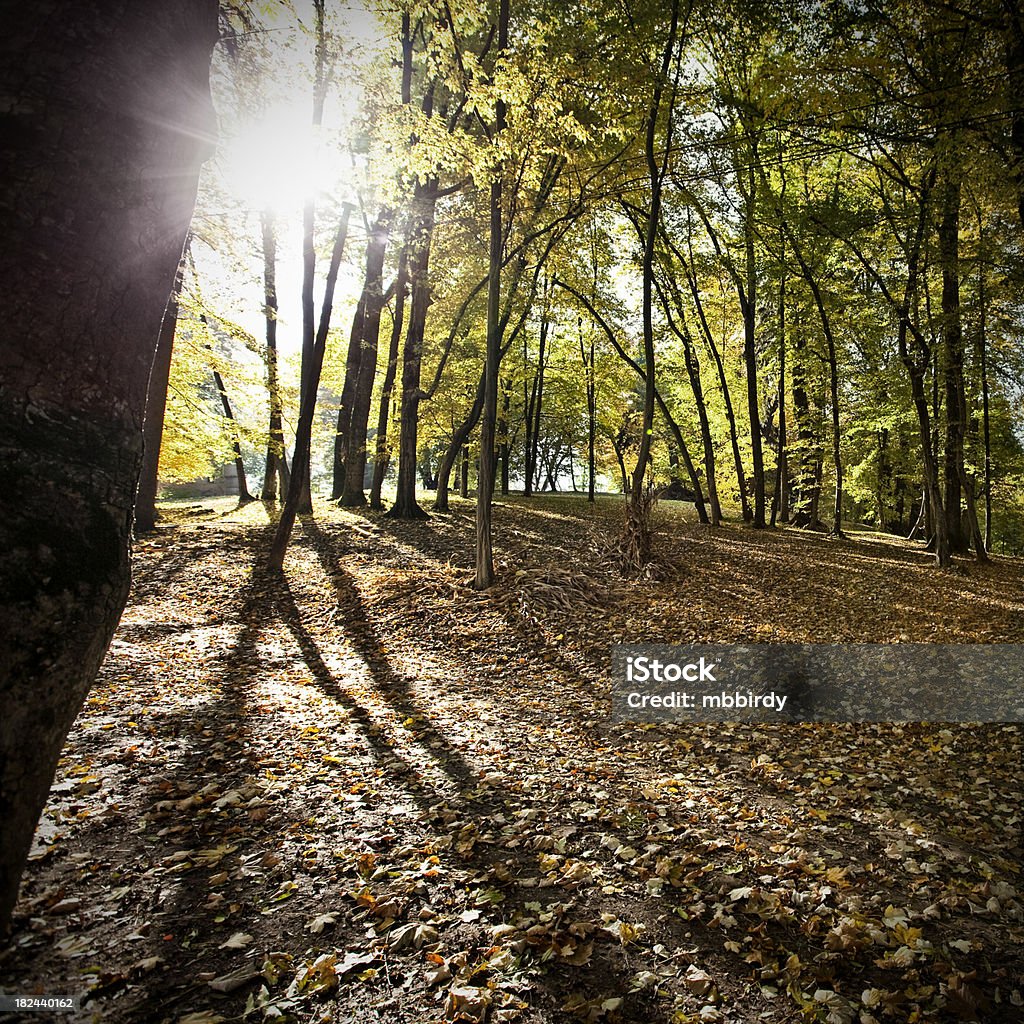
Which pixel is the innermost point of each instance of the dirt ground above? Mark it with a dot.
(364, 792)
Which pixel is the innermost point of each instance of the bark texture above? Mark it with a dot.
(107, 120)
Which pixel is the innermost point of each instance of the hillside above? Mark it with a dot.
(367, 792)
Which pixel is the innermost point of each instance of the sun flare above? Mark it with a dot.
(277, 161)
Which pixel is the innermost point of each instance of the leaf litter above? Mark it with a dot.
(364, 791)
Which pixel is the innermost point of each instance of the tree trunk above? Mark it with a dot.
(503, 439)
(156, 406)
(488, 423)
(983, 359)
(424, 202)
(723, 381)
(380, 456)
(833, 378)
(682, 331)
(591, 424)
(304, 429)
(276, 471)
(301, 466)
(457, 444)
(373, 303)
(99, 162)
(536, 403)
(243, 488)
(780, 498)
(348, 390)
(953, 365)
(321, 78)
(750, 351)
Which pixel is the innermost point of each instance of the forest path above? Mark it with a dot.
(362, 791)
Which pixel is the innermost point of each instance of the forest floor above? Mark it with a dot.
(362, 791)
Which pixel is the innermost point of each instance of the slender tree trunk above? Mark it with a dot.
(107, 121)
(355, 457)
(380, 458)
(457, 445)
(723, 384)
(243, 488)
(425, 199)
(156, 406)
(952, 353)
(488, 422)
(591, 424)
(983, 359)
(503, 444)
(780, 499)
(750, 350)
(320, 81)
(348, 390)
(655, 174)
(684, 451)
(276, 472)
(682, 331)
(833, 378)
(536, 405)
(307, 410)
(301, 466)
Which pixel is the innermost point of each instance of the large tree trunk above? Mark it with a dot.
(108, 118)
(156, 407)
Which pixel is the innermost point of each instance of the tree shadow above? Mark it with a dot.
(395, 687)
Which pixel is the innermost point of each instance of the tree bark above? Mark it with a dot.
(348, 390)
(952, 359)
(503, 445)
(373, 304)
(243, 487)
(457, 444)
(780, 497)
(723, 380)
(276, 471)
(108, 118)
(293, 505)
(750, 350)
(833, 378)
(424, 202)
(488, 423)
(380, 456)
(536, 400)
(656, 175)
